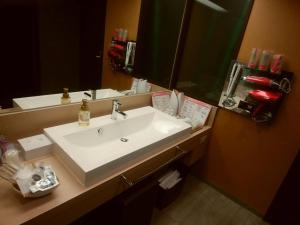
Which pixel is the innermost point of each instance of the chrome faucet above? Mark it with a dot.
(92, 95)
(116, 111)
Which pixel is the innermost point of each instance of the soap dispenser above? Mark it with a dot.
(84, 114)
(65, 99)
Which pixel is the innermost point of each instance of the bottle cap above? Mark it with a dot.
(66, 93)
(84, 105)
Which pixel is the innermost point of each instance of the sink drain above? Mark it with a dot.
(124, 139)
(100, 131)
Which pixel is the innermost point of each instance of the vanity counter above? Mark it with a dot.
(70, 200)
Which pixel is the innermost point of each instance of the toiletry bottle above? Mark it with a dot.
(120, 34)
(253, 58)
(265, 60)
(65, 99)
(84, 114)
(124, 35)
(276, 64)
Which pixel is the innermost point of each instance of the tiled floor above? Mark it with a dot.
(200, 204)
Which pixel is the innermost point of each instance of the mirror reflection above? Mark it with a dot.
(54, 44)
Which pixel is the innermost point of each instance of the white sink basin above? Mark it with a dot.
(91, 151)
(55, 99)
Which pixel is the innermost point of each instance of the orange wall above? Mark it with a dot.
(119, 14)
(247, 160)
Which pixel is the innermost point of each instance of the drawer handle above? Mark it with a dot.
(126, 180)
(130, 183)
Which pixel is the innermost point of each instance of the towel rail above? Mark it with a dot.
(130, 183)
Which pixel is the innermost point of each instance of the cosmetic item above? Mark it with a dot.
(11, 157)
(180, 97)
(84, 114)
(35, 146)
(134, 84)
(124, 35)
(4, 143)
(265, 60)
(141, 86)
(10, 163)
(115, 34)
(65, 99)
(120, 34)
(173, 104)
(148, 87)
(254, 56)
(36, 180)
(277, 63)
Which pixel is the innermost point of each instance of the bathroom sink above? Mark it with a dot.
(92, 151)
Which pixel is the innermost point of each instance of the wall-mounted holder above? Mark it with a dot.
(121, 55)
(254, 93)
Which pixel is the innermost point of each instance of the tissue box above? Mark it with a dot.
(35, 146)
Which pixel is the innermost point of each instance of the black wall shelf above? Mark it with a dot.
(254, 93)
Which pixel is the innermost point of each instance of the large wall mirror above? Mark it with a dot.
(46, 45)
(189, 44)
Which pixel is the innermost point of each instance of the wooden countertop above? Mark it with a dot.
(70, 199)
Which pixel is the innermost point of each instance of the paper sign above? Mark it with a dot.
(195, 110)
(161, 100)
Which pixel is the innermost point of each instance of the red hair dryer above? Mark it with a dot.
(264, 97)
(284, 85)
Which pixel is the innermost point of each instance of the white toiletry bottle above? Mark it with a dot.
(84, 114)
(65, 99)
